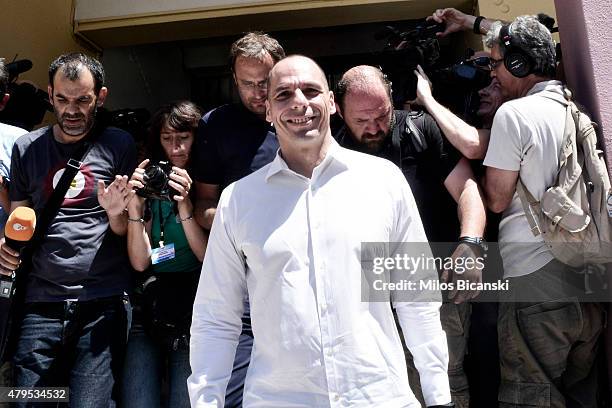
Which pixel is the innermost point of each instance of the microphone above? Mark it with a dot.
(18, 67)
(19, 228)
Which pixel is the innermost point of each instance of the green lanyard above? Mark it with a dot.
(162, 222)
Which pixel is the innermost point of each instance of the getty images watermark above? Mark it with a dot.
(410, 271)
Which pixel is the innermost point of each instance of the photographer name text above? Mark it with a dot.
(436, 285)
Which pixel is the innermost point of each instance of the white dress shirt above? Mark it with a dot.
(292, 245)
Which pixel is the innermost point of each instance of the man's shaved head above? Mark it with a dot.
(361, 79)
(297, 60)
(363, 96)
(299, 105)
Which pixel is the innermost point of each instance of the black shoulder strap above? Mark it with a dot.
(396, 133)
(74, 163)
(417, 136)
(407, 130)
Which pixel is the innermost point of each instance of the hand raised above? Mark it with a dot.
(115, 197)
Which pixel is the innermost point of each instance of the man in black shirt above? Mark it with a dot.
(76, 315)
(444, 188)
(233, 141)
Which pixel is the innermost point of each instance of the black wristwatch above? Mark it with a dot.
(450, 404)
(476, 27)
(475, 242)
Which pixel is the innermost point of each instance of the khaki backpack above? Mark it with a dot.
(574, 216)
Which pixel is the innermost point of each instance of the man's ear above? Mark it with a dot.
(338, 110)
(4, 100)
(102, 96)
(332, 104)
(50, 93)
(268, 116)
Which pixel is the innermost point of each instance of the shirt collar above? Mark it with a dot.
(549, 86)
(335, 154)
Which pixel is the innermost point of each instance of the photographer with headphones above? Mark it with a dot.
(547, 339)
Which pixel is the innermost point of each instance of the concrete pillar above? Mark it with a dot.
(584, 29)
(586, 43)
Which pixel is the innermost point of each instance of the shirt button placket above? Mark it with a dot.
(320, 281)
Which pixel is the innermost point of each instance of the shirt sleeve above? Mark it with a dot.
(207, 163)
(19, 186)
(6, 149)
(420, 319)
(505, 149)
(217, 312)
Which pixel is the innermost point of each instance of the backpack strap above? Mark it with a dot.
(531, 206)
(569, 144)
(419, 141)
(407, 130)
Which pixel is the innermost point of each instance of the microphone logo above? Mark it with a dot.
(19, 227)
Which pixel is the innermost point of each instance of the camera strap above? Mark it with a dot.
(73, 165)
(162, 221)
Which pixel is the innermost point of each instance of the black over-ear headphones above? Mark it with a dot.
(516, 61)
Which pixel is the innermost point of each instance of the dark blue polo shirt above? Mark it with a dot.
(232, 143)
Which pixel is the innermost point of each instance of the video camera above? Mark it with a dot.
(422, 39)
(470, 74)
(403, 51)
(28, 104)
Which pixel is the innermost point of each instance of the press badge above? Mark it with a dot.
(161, 254)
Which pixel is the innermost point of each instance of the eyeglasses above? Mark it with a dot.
(252, 86)
(494, 63)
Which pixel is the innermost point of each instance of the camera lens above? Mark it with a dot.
(155, 177)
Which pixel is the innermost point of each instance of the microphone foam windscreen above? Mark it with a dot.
(20, 225)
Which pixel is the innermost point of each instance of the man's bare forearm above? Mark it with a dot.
(204, 212)
(471, 210)
(467, 139)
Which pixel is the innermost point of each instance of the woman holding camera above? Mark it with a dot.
(164, 240)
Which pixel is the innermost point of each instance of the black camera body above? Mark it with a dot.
(156, 180)
(468, 74)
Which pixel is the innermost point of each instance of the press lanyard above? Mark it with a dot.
(162, 222)
(165, 251)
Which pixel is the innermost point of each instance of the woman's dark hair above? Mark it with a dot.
(182, 116)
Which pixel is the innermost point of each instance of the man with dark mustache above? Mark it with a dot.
(76, 313)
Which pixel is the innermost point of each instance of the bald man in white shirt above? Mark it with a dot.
(289, 235)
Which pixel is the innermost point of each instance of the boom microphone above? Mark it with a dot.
(19, 228)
